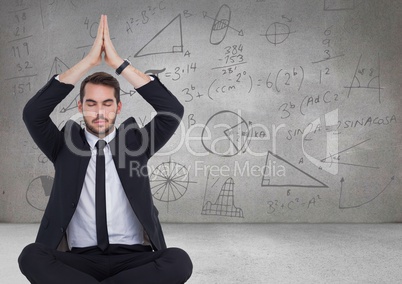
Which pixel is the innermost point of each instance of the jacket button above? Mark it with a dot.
(73, 205)
(62, 229)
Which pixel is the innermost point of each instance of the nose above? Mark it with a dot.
(95, 112)
(100, 111)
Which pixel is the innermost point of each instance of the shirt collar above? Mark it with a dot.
(92, 139)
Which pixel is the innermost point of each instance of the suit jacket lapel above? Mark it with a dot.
(83, 163)
(118, 149)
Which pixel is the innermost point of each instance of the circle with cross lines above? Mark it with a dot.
(277, 33)
(169, 181)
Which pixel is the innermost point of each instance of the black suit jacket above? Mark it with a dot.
(70, 153)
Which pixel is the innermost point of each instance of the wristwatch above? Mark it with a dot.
(122, 66)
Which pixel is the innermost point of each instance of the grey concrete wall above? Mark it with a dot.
(292, 108)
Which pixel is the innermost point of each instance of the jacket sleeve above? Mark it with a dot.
(36, 115)
(169, 112)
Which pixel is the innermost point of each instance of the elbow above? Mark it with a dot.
(180, 110)
(26, 114)
(29, 114)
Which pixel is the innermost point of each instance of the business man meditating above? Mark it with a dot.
(100, 224)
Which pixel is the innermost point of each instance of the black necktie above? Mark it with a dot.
(100, 197)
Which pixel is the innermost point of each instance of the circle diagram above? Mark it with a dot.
(169, 181)
(277, 33)
(38, 192)
(225, 134)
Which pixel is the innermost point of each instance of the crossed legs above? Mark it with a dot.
(42, 265)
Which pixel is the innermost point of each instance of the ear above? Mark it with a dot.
(119, 106)
(79, 104)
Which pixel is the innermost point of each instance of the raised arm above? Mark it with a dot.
(135, 77)
(169, 110)
(92, 59)
(36, 113)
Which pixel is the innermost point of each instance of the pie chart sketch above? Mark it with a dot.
(169, 181)
(38, 192)
(225, 134)
(277, 33)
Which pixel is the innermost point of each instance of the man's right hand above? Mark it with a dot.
(94, 56)
(103, 45)
(92, 59)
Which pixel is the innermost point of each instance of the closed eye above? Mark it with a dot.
(108, 103)
(90, 103)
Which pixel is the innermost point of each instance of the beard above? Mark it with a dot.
(100, 131)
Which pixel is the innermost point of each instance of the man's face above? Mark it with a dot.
(99, 109)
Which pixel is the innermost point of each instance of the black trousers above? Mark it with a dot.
(118, 264)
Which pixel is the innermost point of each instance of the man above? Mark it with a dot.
(100, 225)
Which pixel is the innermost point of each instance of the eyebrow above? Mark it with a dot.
(93, 101)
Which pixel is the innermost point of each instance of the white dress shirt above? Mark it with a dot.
(122, 224)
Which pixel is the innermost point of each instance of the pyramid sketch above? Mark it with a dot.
(167, 40)
(58, 67)
(224, 204)
(280, 173)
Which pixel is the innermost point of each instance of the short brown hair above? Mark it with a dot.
(101, 78)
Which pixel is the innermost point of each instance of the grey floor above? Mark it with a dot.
(262, 253)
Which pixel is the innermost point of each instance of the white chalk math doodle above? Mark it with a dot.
(327, 45)
(221, 24)
(155, 72)
(292, 203)
(283, 79)
(58, 67)
(228, 134)
(224, 204)
(336, 157)
(277, 33)
(344, 200)
(280, 173)
(168, 40)
(38, 192)
(169, 181)
(366, 78)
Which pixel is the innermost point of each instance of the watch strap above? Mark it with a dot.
(122, 66)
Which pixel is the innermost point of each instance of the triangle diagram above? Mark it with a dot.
(235, 135)
(167, 40)
(280, 173)
(72, 105)
(58, 67)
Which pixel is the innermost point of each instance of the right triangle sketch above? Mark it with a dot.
(167, 40)
(280, 173)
